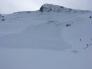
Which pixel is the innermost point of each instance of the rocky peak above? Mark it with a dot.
(52, 8)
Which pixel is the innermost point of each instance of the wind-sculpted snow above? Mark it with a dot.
(42, 36)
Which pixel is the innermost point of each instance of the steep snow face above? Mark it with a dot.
(79, 35)
(54, 31)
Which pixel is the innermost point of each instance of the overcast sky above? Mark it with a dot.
(9, 6)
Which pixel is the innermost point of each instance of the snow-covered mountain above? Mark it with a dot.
(48, 36)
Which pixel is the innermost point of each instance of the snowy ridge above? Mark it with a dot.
(56, 8)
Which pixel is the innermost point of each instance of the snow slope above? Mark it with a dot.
(53, 37)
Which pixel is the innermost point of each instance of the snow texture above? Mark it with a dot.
(53, 37)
